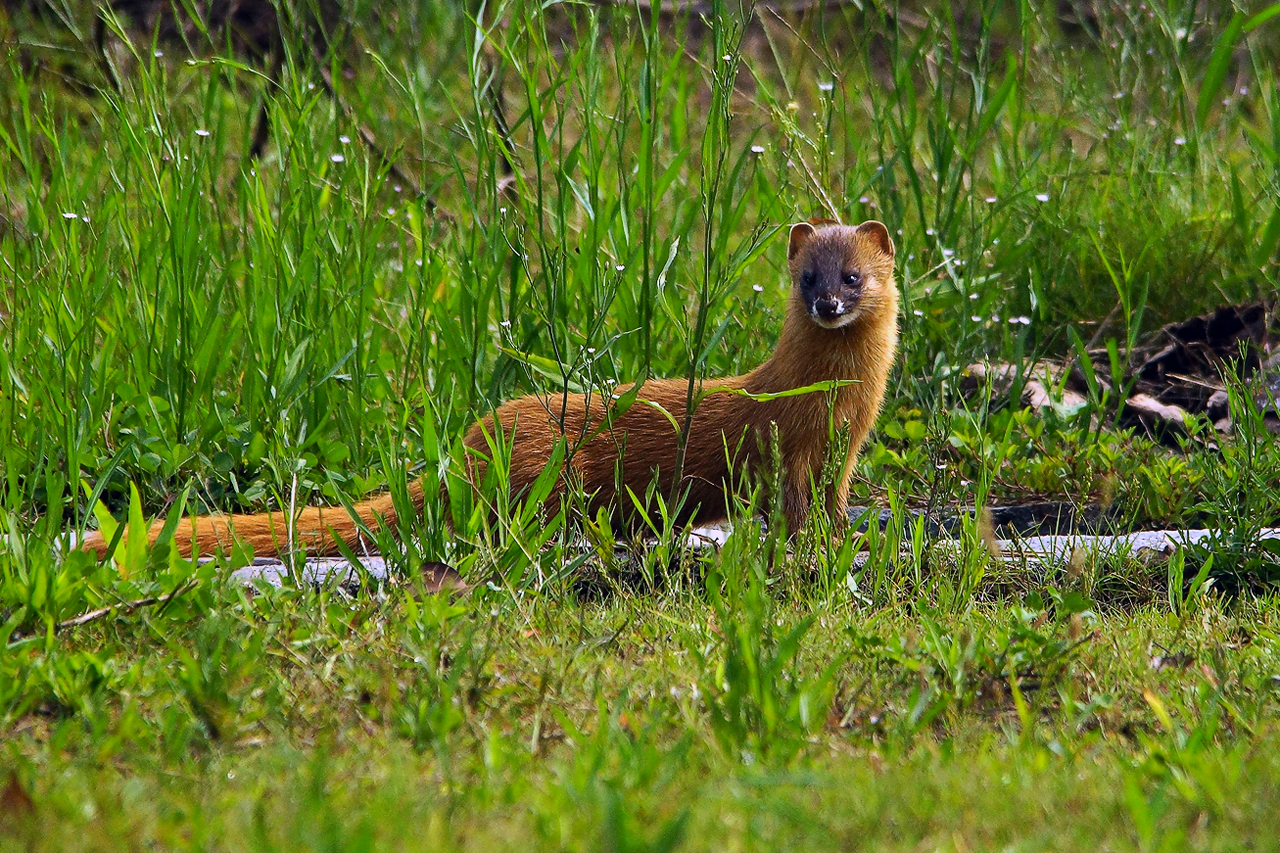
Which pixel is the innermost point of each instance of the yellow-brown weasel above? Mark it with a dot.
(841, 324)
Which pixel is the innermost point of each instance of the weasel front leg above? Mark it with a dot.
(795, 501)
(797, 490)
(838, 505)
(838, 498)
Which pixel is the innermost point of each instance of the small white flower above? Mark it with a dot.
(975, 318)
(757, 288)
(990, 199)
(918, 312)
(1042, 197)
(200, 131)
(946, 253)
(619, 267)
(70, 215)
(337, 158)
(505, 323)
(972, 296)
(344, 139)
(391, 211)
(863, 200)
(1181, 140)
(591, 350)
(159, 53)
(826, 86)
(928, 231)
(757, 149)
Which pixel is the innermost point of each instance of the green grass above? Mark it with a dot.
(197, 328)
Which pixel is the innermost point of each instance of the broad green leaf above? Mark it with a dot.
(670, 417)
(1269, 242)
(766, 396)
(548, 367)
(135, 543)
(997, 102)
(1219, 63)
(1262, 17)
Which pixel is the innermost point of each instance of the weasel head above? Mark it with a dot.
(842, 274)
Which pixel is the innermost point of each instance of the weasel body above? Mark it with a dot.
(841, 324)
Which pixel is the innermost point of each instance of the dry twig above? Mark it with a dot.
(127, 606)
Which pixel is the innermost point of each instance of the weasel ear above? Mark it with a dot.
(879, 234)
(801, 233)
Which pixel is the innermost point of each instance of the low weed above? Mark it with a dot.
(760, 705)
(985, 661)
(1241, 493)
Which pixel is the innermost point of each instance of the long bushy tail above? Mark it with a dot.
(316, 530)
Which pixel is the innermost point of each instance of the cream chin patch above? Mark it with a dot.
(837, 322)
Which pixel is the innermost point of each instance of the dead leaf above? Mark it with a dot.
(987, 530)
(440, 577)
(14, 800)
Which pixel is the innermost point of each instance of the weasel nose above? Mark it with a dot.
(826, 307)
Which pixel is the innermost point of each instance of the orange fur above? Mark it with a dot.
(729, 433)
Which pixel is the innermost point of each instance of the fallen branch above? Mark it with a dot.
(127, 607)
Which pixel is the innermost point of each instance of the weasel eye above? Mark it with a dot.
(853, 278)
(806, 278)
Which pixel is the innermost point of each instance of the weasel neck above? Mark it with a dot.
(807, 353)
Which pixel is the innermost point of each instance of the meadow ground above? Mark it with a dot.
(452, 206)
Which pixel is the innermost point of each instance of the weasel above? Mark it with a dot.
(841, 324)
